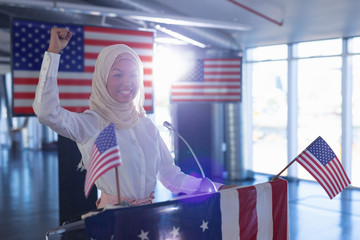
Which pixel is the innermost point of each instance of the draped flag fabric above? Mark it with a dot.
(210, 80)
(105, 155)
(253, 212)
(321, 162)
(31, 39)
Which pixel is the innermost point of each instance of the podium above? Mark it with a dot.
(247, 212)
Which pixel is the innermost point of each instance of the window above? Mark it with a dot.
(267, 53)
(269, 97)
(319, 48)
(319, 94)
(355, 180)
(354, 45)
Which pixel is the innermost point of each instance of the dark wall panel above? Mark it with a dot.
(194, 124)
(72, 202)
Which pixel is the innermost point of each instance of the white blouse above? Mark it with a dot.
(144, 154)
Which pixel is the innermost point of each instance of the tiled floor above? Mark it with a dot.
(29, 201)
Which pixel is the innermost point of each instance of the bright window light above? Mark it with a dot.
(355, 165)
(319, 48)
(354, 45)
(169, 65)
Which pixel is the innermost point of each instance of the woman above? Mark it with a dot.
(117, 97)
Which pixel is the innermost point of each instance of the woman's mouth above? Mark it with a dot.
(125, 92)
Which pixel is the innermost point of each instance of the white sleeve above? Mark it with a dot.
(76, 126)
(172, 177)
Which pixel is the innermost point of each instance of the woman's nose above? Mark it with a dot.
(127, 83)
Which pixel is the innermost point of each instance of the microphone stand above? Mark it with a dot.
(206, 185)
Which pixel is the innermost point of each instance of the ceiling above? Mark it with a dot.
(219, 24)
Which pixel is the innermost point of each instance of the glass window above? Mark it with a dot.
(319, 94)
(267, 53)
(355, 181)
(319, 48)
(269, 116)
(354, 45)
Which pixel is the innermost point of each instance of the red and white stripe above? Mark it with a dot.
(100, 164)
(222, 70)
(75, 87)
(332, 176)
(255, 212)
(221, 83)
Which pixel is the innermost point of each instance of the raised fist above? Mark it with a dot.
(59, 39)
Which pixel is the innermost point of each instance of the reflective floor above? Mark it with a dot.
(28, 194)
(29, 201)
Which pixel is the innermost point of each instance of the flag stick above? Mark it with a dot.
(283, 170)
(117, 184)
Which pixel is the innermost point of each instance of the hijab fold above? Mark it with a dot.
(123, 115)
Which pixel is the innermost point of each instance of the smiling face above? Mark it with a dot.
(123, 80)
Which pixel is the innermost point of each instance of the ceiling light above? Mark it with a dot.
(193, 22)
(179, 36)
(170, 41)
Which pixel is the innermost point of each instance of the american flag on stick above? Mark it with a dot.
(31, 39)
(211, 80)
(321, 162)
(105, 155)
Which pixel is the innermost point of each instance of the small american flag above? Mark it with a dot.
(321, 162)
(105, 155)
(31, 40)
(211, 80)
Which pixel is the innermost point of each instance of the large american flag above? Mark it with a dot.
(105, 155)
(31, 39)
(252, 212)
(321, 162)
(210, 80)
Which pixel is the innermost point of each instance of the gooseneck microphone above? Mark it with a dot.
(206, 185)
(171, 128)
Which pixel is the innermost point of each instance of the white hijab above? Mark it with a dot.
(123, 115)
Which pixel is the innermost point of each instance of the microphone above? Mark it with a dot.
(206, 185)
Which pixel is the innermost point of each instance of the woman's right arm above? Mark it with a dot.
(75, 126)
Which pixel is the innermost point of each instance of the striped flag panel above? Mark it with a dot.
(210, 80)
(255, 212)
(31, 39)
(250, 212)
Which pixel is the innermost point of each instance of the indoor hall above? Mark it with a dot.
(292, 78)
